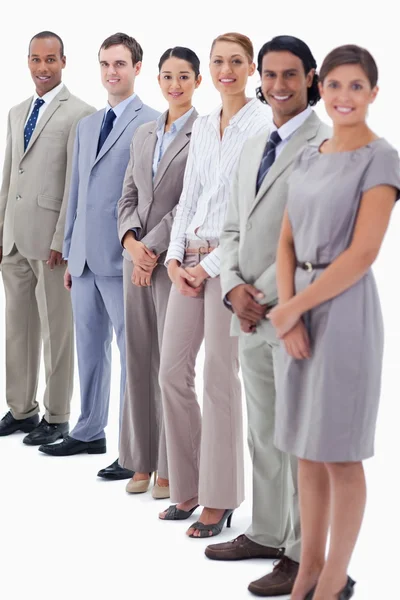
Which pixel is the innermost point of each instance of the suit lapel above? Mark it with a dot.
(130, 113)
(98, 119)
(148, 149)
(54, 105)
(181, 140)
(306, 132)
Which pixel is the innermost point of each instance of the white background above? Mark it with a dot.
(65, 534)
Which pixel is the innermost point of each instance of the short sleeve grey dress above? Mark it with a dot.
(327, 405)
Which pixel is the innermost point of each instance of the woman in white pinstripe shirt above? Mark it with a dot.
(206, 455)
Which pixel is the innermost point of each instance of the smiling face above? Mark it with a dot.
(45, 64)
(118, 72)
(347, 93)
(285, 84)
(177, 82)
(230, 68)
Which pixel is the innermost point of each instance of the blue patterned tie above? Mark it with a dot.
(268, 157)
(31, 122)
(107, 126)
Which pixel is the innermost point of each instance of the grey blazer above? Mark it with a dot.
(91, 234)
(250, 236)
(35, 187)
(150, 206)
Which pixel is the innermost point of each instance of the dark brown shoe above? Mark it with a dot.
(278, 583)
(241, 548)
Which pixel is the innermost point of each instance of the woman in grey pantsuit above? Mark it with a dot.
(339, 203)
(152, 187)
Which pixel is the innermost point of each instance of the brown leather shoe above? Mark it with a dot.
(241, 548)
(278, 583)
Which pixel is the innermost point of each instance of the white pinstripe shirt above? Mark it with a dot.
(208, 175)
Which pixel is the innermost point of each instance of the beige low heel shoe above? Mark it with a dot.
(138, 487)
(160, 492)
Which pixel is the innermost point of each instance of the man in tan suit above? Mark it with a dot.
(33, 200)
(248, 248)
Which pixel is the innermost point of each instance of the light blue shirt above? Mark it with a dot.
(165, 138)
(119, 109)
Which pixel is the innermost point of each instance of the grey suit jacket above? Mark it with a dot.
(251, 232)
(35, 187)
(91, 234)
(150, 206)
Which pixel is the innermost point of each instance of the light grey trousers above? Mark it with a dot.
(38, 310)
(142, 440)
(205, 454)
(276, 515)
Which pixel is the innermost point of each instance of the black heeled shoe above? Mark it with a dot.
(173, 513)
(346, 593)
(213, 529)
(348, 590)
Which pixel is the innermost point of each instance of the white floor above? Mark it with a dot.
(65, 533)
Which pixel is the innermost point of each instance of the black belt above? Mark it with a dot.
(308, 266)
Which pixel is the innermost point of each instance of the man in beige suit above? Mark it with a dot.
(248, 248)
(33, 200)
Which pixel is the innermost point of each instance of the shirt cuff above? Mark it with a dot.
(211, 264)
(175, 252)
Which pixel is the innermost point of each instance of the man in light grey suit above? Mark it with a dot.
(33, 202)
(92, 247)
(248, 247)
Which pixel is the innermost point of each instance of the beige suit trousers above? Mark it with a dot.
(205, 455)
(38, 309)
(276, 515)
(142, 440)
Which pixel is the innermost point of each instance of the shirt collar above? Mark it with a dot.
(176, 125)
(288, 129)
(242, 117)
(47, 98)
(121, 106)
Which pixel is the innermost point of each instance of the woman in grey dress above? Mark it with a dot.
(329, 319)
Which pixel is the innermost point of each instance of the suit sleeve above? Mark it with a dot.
(266, 283)
(128, 217)
(73, 199)
(158, 238)
(229, 242)
(6, 179)
(58, 238)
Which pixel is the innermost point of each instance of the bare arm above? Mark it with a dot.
(285, 261)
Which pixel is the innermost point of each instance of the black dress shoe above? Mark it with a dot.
(9, 425)
(70, 446)
(115, 472)
(46, 433)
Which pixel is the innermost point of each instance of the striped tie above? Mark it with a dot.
(268, 158)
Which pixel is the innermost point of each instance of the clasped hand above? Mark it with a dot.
(291, 330)
(189, 281)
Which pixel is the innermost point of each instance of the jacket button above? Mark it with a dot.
(248, 226)
(18, 197)
(20, 171)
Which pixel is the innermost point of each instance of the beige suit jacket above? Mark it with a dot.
(35, 186)
(149, 205)
(251, 232)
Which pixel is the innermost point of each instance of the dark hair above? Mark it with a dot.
(122, 39)
(288, 43)
(236, 38)
(183, 53)
(350, 55)
(43, 35)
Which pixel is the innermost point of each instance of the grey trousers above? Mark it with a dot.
(205, 455)
(98, 306)
(38, 310)
(142, 440)
(276, 515)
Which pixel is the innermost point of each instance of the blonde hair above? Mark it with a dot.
(236, 38)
